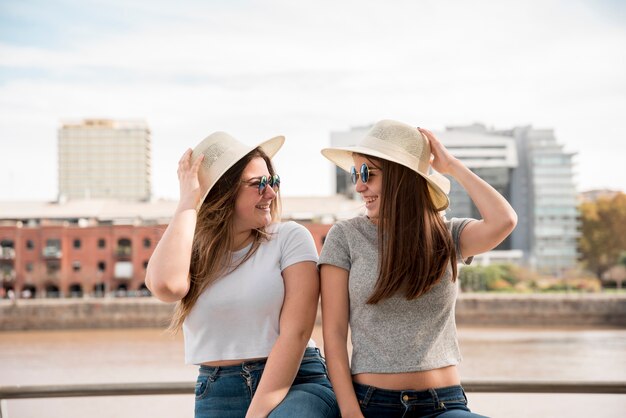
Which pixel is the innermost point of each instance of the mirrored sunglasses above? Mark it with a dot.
(363, 173)
(264, 181)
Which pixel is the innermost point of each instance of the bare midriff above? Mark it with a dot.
(225, 363)
(428, 379)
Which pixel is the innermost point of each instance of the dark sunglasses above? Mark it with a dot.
(364, 173)
(264, 181)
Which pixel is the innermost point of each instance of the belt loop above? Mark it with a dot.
(436, 401)
(463, 392)
(214, 373)
(368, 395)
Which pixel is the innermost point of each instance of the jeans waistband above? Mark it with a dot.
(367, 393)
(254, 365)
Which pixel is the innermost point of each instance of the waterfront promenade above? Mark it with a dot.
(534, 310)
(127, 356)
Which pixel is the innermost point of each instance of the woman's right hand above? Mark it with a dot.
(190, 193)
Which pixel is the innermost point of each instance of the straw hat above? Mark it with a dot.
(221, 151)
(401, 144)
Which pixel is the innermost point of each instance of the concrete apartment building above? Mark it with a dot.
(530, 169)
(104, 159)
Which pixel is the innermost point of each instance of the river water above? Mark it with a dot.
(149, 355)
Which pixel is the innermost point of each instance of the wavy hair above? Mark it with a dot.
(211, 254)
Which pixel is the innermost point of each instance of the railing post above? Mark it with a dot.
(4, 412)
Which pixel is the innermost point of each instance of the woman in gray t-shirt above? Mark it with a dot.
(390, 275)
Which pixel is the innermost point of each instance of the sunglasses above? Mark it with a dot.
(363, 174)
(262, 182)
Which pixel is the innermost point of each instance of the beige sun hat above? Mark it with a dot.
(222, 151)
(401, 144)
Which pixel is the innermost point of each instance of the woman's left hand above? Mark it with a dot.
(441, 159)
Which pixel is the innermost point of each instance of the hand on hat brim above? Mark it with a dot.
(441, 160)
(190, 192)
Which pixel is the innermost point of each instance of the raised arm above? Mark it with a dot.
(167, 275)
(498, 217)
(335, 315)
(297, 319)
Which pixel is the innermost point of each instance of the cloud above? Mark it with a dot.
(259, 68)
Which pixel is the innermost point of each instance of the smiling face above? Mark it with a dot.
(252, 210)
(371, 192)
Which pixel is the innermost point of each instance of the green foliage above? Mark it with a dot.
(603, 233)
(497, 277)
(512, 278)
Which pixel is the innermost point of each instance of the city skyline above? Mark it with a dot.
(257, 69)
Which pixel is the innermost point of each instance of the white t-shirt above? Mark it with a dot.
(237, 317)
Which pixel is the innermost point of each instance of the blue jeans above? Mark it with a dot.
(226, 392)
(448, 402)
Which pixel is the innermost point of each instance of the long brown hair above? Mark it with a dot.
(211, 254)
(414, 245)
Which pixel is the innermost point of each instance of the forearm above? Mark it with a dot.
(168, 268)
(341, 378)
(279, 373)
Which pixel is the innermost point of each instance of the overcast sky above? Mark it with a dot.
(303, 69)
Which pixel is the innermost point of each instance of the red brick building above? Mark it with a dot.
(99, 247)
(69, 260)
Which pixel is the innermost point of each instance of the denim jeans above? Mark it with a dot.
(448, 402)
(226, 392)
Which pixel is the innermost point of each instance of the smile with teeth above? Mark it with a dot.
(263, 207)
(369, 200)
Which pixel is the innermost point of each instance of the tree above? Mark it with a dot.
(603, 237)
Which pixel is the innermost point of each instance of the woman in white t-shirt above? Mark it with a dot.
(247, 286)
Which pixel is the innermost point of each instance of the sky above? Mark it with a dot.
(257, 69)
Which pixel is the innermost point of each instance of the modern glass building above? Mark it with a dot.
(547, 199)
(530, 169)
(492, 157)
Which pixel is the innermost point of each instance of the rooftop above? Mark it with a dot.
(324, 209)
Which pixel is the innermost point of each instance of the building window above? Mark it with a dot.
(145, 264)
(102, 243)
(7, 251)
(102, 266)
(52, 291)
(53, 267)
(76, 266)
(123, 247)
(29, 267)
(77, 243)
(147, 243)
(54, 244)
(30, 245)
(76, 290)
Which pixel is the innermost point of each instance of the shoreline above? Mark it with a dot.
(472, 310)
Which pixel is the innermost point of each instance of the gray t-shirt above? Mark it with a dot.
(395, 335)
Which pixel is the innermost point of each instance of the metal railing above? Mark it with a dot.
(187, 388)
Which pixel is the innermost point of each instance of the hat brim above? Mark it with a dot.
(438, 185)
(269, 147)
